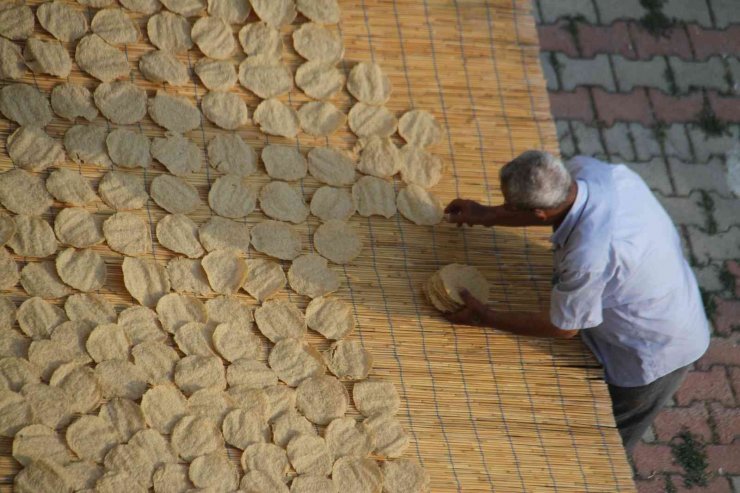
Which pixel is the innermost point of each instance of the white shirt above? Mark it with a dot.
(620, 275)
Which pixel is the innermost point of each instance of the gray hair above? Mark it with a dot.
(535, 180)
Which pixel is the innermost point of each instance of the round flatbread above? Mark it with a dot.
(187, 276)
(80, 385)
(418, 127)
(13, 344)
(195, 338)
(142, 6)
(379, 157)
(331, 166)
(349, 360)
(41, 475)
(25, 105)
(145, 279)
(230, 196)
(276, 118)
(376, 396)
(69, 187)
(85, 144)
(264, 279)
(174, 194)
(91, 437)
(320, 119)
(250, 373)
(114, 26)
(121, 102)
(7, 228)
(226, 270)
(267, 458)
(369, 84)
(127, 233)
(33, 149)
(234, 341)
(337, 241)
(229, 154)
(231, 11)
(276, 13)
(90, 307)
(36, 442)
(290, 425)
(163, 406)
(225, 109)
(374, 197)
(280, 400)
(391, 440)
(71, 101)
(262, 482)
(419, 167)
(162, 66)
(315, 42)
(322, 399)
(172, 478)
(16, 21)
(194, 436)
(47, 57)
(215, 471)
(310, 276)
(216, 75)
(281, 201)
(123, 191)
(294, 360)
(279, 319)
(187, 8)
(83, 474)
(173, 112)
(169, 32)
(420, 206)
(36, 283)
(404, 476)
(443, 288)
(128, 149)
(329, 203)
(101, 60)
(319, 79)
(243, 428)
(33, 237)
(196, 372)
(260, 38)
(312, 484)
(125, 415)
(366, 121)
(276, 239)
(141, 324)
(12, 65)
(357, 474)
(214, 38)
(50, 405)
(345, 436)
(61, 20)
(120, 378)
(37, 318)
(156, 359)
(228, 309)
(210, 403)
(84, 269)
(310, 455)
(16, 373)
(179, 233)
(23, 193)
(15, 413)
(175, 310)
(284, 162)
(221, 233)
(265, 75)
(321, 11)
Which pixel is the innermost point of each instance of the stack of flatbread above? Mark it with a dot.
(444, 286)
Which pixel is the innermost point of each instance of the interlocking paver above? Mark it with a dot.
(707, 146)
(655, 174)
(565, 138)
(688, 11)
(552, 10)
(721, 246)
(586, 72)
(726, 12)
(726, 211)
(611, 10)
(711, 385)
(613, 39)
(672, 421)
(646, 143)
(708, 276)
(647, 73)
(708, 74)
(676, 142)
(674, 42)
(708, 176)
(549, 72)
(587, 139)
(619, 142)
(616, 107)
(574, 105)
(709, 42)
(684, 210)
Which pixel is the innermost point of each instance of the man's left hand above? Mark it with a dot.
(473, 313)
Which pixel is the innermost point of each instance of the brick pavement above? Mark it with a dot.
(655, 84)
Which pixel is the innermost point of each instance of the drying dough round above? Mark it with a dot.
(13, 344)
(37, 318)
(280, 319)
(284, 162)
(175, 310)
(276, 239)
(174, 194)
(312, 484)
(379, 157)
(101, 60)
(15, 413)
(264, 279)
(243, 428)
(23, 193)
(169, 32)
(50, 405)
(214, 471)
(225, 109)
(219, 233)
(16, 373)
(91, 308)
(267, 458)
(295, 360)
(16, 20)
(142, 6)
(69, 187)
(37, 278)
(156, 359)
(80, 385)
(33, 237)
(187, 276)
(216, 75)
(71, 101)
(37, 442)
(214, 38)
(361, 475)
(41, 476)
(145, 279)
(211, 403)
(390, 438)
(261, 482)
(187, 8)
(47, 57)
(290, 425)
(310, 276)
(179, 233)
(91, 437)
(348, 360)
(7, 228)
(443, 288)
(84, 270)
(83, 474)
(404, 476)
(420, 206)
(250, 399)
(163, 405)
(228, 309)
(231, 197)
(195, 372)
(321, 399)
(177, 153)
(229, 154)
(12, 65)
(369, 84)
(123, 191)
(194, 436)
(367, 121)
(61, 20)
(128, 149)
(226, 270)
(259, 38)
(331, 166)
(314, 42)
(162, 66)
(250, 373)
(329, 203)
(418, 127)
(114, 26)
(280, 201)
(319, 79)
(337, 241)
(330, 317)
(321, 11)
(174, 112)
(265, 75)
(121, 102)
(25, 105)
(125, 415)
(374, 196)
(310, 455)
(419, 167)
(234, 341)
(120, 378)
(320, 118)
(113, 482)
(85, 144)
(172, 478)
(141, 324)
(276, 13)
(276, 118)
(280, 400)
(231, 11)
(9, 276)
(127, 233)
(376, 396)
(345, 436)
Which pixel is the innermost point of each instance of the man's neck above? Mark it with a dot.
(562, 212)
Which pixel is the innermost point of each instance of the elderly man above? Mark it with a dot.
(620, 280)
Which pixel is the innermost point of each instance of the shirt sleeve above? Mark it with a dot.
(576, 301)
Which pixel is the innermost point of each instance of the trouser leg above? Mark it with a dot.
(635, 408)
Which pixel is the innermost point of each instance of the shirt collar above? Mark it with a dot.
(560, 236)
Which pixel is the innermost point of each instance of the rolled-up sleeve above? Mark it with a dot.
(576, 300)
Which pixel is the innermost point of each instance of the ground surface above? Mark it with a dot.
(656, 85)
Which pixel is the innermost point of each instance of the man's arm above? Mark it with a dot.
(470, 212)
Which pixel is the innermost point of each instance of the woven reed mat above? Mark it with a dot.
(485, 411)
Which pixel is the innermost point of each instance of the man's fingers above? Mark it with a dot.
(466, 296)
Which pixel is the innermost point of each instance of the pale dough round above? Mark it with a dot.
(320, 118)
(114, 26)
(312, 484)
(264, 279)
(47, 57)
(62, 21)
(219, 232)
(330, 317)
(37, 442)
(216, 75)
(41, 476)
(214, 471)
(163, 406)
(345, 436)
(9, 277)
(243, 428)
(69, 187)
(284, 162)
(70, 101)
(321, 399)
(281, 201)
(226, 270)
(374, 197)
(169, 32)
(276, 118)
(126, 461)
(310, 455)
(228, 309)
(16, 20)
(101, 60)
(194, 436)
(195, 338)
(113, 482)
(82, 475)
(172, 478)
(443, 288)
(142, 6)
(230, 196)
(360, 475)
(404, 476)
(280, 319)
(265, 75)
(337, 241)
(280, 400)
(314, 42)
(25, 105)
(38, 278)
(7, 228)
(376, 396)
(235, 341)
(91, 437)
(90, 307)
(47, 357)
(231, 11)
(367, 121)
(310, 276)
(123, 191)
(214, 38)
(37, 318)
(390, 437)
(33, 237)
(145, 280)
(80, 385)
(120, 378)
(369, 84)
(329, 203)
(125, 415)
(260, 38)
(141, 324)
(84, 270)
(127, 233)
(348, 360)
(250, 399)
(187, 276)
(85, 144)
(211, 403)
(225, 109)
(128, 149)
(290, 425)
(50, 405)
(12, 66)
(260, 482)
(420, 206)
(108, 341)
(276, 13)
(379, 157)
(32, 149)
(173, 112)
(163, 66)
(331, 166)
(321, 11)
(419, 127)
(187, 8)
(195, 372)
(15, 413)
(174, 194)
(179, 233)
(295, 360)
(121, 102)
(156, 359)
(229, 154)
(250, 373)
(157, 449)
(23, 193)
(419, 167)
(14, 344)
(175, 310)
(7, 313)
(267, 458)
(276, 239)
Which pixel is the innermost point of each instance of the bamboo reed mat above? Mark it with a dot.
(485, 411)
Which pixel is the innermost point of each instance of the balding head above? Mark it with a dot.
(535, 180)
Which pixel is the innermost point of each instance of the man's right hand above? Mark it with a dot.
(463, 211)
